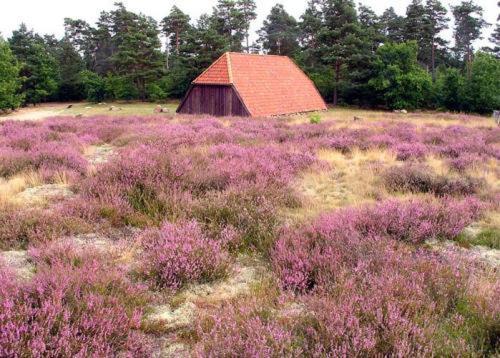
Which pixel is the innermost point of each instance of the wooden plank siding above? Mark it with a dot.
(215, 100)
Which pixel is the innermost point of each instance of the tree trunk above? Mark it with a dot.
(177, 41)
(469, 62)
(337, 79)
(248, 43)
(433, 59)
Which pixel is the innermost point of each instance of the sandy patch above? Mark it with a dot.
(18, 262)
(43, 193)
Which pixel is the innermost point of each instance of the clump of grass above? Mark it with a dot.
(489, 237)
(315, 118)
(417, 178)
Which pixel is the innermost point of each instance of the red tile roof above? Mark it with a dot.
(268, 85)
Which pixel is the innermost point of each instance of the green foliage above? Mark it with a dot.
(10, 82)
(315, 118)
(94, 86)
(469, 23)
(279, 33)
(119, 88)
(155, 92)
(489, 237)
(400, 81)
(483, 88)
(70, 65)
(38, 66)
(449, 89)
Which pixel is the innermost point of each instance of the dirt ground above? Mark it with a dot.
(84, 109)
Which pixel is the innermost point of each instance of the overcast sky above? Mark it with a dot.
(46, 17)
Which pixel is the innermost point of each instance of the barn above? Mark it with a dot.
(250, 85)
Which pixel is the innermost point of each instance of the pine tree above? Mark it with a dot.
(310, 25)
(495, 38)
(82, 37)
(339, 39)
(175, 27)
(279, 34)
(39, 68)
(469, 23)
(10, 81)
(436, 21)
(229, 22)
(393, 25)
(70, 65)
(138, 56)
(247, 9)
(415, 26)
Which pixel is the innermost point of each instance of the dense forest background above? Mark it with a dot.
(354, 56)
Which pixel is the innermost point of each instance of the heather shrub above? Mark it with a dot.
(421, 179)
(406, 151)
(308, 258)
(391, 303)
(179, 254)
(251, 211)
(20, 227)
(86, 308)
(247, 329)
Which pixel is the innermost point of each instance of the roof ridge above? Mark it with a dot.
(255, 54)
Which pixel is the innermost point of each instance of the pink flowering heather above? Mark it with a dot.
(305, 259)
(78, 308)
(180, 254)
(246, 329)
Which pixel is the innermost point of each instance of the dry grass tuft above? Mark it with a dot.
(351, 180)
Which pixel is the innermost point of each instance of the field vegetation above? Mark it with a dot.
(301, 236)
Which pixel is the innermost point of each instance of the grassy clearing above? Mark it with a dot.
(345, 117)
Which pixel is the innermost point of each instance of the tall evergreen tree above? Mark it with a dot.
(339, 39)
(175, 27)
(393, 25)
(81, 36)
(229, 22)
(39, 68)
(415, 26)
(436, 21)
(495, 38)
(70, 65)
(279, 35)
(138, 56)
(248, 14)
(310, 26)
(469, 23)
(10, 81)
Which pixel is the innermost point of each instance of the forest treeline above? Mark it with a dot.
(353, 55)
